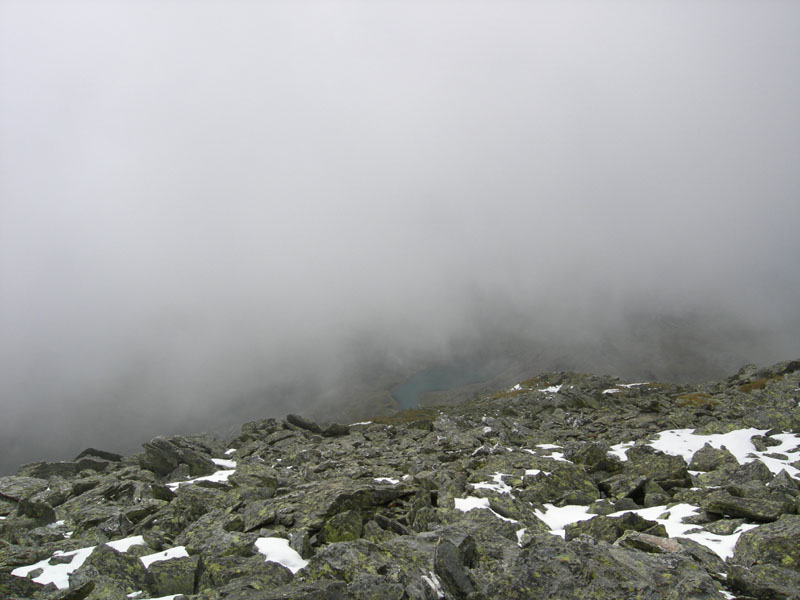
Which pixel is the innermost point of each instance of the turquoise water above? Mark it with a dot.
(436, 379)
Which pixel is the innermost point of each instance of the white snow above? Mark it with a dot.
(520, 533)
(230, 451)
(176, 552)
(551, 390)
(277, 550)
(557, 456)
(361, 423)
(684, 442)
(611, 391)
(672, 520)
(125, 544)
(548, 446)
(472, 502)
(621, 450)
(218, 476)
(57, 574)
(498, 486)
(487, 429)
(558, 517)
(630, 385)
(516, 388)
(386, 480)
(224, 462)
(435, 584)
(138, 595)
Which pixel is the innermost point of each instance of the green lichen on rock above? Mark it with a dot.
(343, 527)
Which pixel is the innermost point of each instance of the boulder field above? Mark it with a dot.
(563, 486)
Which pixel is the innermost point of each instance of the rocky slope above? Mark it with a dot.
(564, 486)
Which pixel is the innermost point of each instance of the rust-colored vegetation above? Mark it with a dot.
(410, 415)
(697, 399)
(756, 384)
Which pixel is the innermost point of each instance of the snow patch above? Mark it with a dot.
(434, 583)
(57, 574)
(169, 553)
(386, 480)
(621, 450)
(471, 503)
(126, 544)
(498, 486)
(558, 517)
(277, 550)
(520, 533)
(684, 442)
(218, 476)
(672, 520)
(551, 390)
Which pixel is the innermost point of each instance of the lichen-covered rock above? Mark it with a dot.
(665, 469)
(163, 456)
(15, 487)
(772, 543)
(448, 564)
(608, 529)
(366, 586)
(765, 582)
(709, 458)
(20, 587)
(173, 576)
(258, 514)
(758, 509)
(563, 480)
(122, 567)
(583, 569)
(88, 583)
(343, 527)
(209, 538)
(222, 571)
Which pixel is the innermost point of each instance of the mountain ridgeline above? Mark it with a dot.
(562, 486)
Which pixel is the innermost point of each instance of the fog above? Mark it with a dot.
(218, 211)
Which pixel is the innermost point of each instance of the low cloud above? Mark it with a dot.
(224, 205)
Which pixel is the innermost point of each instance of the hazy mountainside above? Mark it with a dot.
(355, 382)
(565, 485)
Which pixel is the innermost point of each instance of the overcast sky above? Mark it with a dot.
(200, 198)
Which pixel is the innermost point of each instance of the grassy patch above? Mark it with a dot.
(696, 399)
(408, 416)
(756, 384)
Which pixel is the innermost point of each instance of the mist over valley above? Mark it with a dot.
(226, 211)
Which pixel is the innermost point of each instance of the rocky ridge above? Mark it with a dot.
(564, 486)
